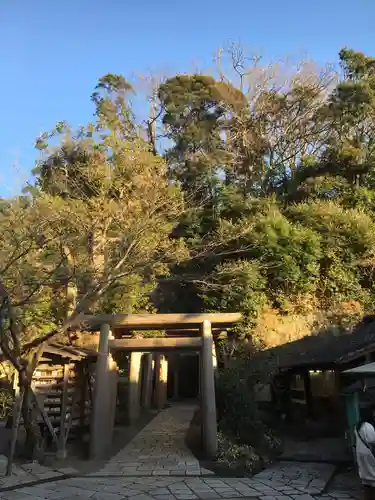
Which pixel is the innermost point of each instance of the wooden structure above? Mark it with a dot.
(148, 370)
(62, 396)
(188, 321)
(63, 386)
(156, 344)
(309, 381)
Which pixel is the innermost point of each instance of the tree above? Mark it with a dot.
(100, 215)
(265, 197)
(344, 166)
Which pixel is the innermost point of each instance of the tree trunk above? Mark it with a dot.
(33, 443)
(32, 447)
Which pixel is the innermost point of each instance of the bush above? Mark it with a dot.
(245, 438)
(235, 456)
(6, 403)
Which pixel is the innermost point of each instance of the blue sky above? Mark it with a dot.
(52, 53)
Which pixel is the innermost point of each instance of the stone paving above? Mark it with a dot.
(156, 465)
(310, 478)
(159, 449)
(29, 473)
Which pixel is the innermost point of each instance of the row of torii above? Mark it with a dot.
(111, 338)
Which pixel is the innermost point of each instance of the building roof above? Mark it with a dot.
(52, 350)
(325, 348)
(367, 368)
(67, 351)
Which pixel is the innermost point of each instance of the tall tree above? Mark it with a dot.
(100, 215)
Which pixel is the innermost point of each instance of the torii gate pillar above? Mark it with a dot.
(207, 386)
(104, 403)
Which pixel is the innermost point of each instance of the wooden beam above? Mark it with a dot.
(61, 353)
(188, 331)
(70, 419)
(64, 404)
(163, 321)
(156, 344)
(84, 393)
(45, 418)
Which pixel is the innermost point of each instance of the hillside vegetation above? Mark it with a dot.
(250, 188)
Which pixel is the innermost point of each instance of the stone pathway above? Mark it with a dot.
(30, 473)
(329, 450)
(159, 449)
(156, 465)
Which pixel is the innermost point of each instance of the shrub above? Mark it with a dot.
(6, 403)
(244, 434)
(237, 456)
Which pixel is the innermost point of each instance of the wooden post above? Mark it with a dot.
(208, 402)
(176, 377)
(83, 396)
(113, 388)
(200, 378)
(368, 359)
(61, 452)
(17, 409)
(70, 419)
(308, 393)
(101, 435)
(134, 394)
(214, 359)
(45, 418)
(163, 381)
(147, 381)
(337, 393)
(157, 368)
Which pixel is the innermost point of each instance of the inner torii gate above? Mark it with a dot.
(201, 341)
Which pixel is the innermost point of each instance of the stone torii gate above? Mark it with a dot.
(105, 394)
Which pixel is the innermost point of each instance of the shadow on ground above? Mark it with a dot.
(78, 453)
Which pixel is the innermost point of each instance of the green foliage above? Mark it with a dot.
(112, 105)
(240, 420)
(264, 198)
(347, 249)
(239, 457)
(356, 64)
(94, 233)
(6, 403)
(289, 253)
(254, 184)
(194, 116)
(236, 285)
